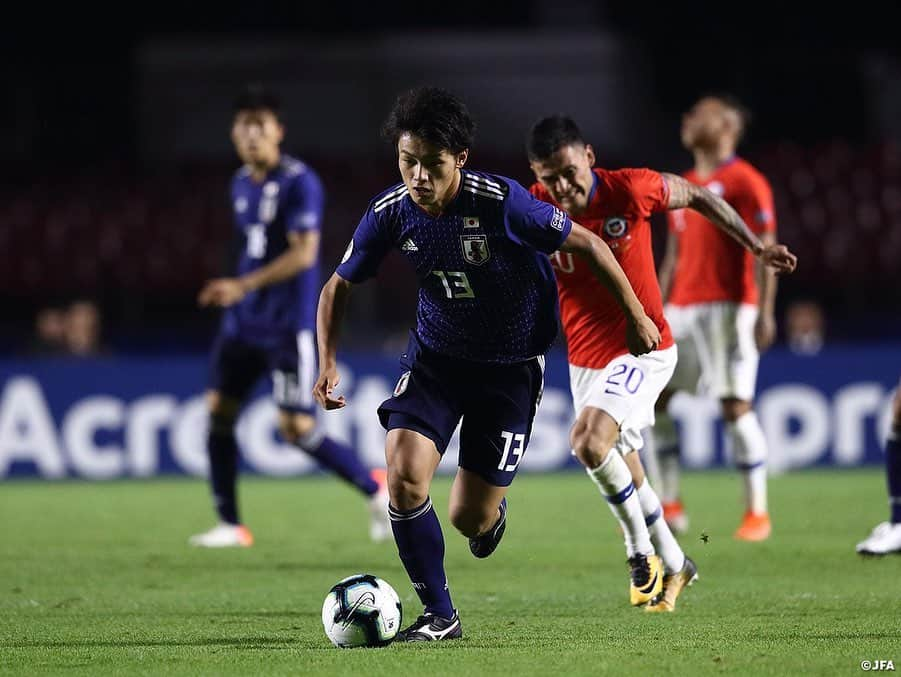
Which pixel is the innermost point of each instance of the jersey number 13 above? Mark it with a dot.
(456, 284)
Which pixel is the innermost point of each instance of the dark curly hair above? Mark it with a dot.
(434, 115)
(550, 134)
(257, 97)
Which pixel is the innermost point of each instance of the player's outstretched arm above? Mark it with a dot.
(300, 255)
(642, 335)
(765, 326)
(329, 315)
(684, 194)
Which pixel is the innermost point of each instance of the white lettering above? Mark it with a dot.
(697, 418)
(852, 405)
(187, 437)
(27, 432)
(782, 404)
(80, 427)
(146, 418)
(263, 448)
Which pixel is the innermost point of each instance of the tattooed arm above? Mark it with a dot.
(684, 193)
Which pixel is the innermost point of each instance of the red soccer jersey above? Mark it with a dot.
(618, 210)
(710, 265)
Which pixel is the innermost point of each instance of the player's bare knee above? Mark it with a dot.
(406, 489)
(295, 427)
(223, 413)
(593, 436)
(733, 409)
(591, 447)
(219, 404)
(896, 410)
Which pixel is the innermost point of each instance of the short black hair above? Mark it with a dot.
(258, 97)
(550, 134)
(434, 115)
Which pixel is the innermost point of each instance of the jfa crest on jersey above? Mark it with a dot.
(475, 249)
(289, 199)
(486, 286)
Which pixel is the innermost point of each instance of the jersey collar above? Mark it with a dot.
(594, 187)
(728, 161)
(447, 207)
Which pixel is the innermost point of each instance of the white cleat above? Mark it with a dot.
(223, 535)
(379, 524)
(884, 540)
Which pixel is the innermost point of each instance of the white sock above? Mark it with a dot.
(615, 482)
(649, 456)
(664, 542)
(749, 446)
(666, 447)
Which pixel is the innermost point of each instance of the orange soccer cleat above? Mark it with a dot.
(754, 527)
(674, 514)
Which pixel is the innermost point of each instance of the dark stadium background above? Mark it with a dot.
(114, 139)
(115, 136)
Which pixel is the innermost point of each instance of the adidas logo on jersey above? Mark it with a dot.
(409, 246)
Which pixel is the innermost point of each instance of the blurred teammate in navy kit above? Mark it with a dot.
(269, 317)
(487, 314)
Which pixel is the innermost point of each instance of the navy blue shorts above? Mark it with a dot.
(237, 365)
(497, 403)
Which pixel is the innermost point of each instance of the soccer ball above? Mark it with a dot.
(361, 610)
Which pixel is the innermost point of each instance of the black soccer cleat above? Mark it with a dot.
(646, 574)
(431, 628)
(484, 545)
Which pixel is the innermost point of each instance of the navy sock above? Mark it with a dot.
(340, 459)
(222, 449)
(893, 472)
(420, 544)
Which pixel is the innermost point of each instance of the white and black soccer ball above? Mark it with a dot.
(361, 610)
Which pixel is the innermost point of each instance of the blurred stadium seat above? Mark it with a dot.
(160, 236)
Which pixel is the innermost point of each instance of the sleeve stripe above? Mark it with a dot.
(483, 184)
(472, 189)
(483, 179)
(396, 198)
(393, 193)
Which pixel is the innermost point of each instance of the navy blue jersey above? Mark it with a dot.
(487, 291)
(289, 199)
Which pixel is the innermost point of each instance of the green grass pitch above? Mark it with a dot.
(98, 579)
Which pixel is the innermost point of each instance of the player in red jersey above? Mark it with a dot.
(613, 391)
(719, 306)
